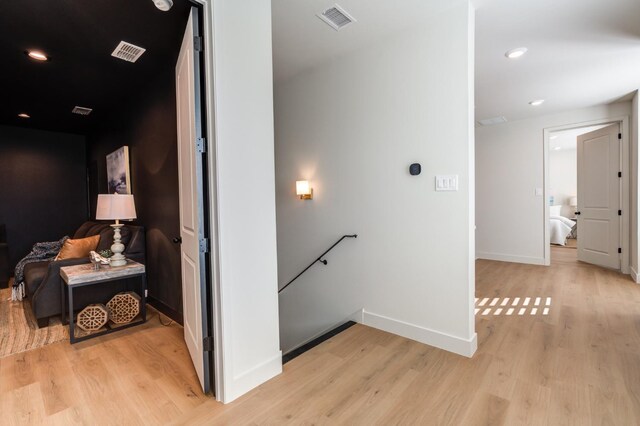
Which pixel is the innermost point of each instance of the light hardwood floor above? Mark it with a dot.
(580, 364)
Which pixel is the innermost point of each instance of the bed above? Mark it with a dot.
(559, 226)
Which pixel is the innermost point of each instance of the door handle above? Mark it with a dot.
(177, 240)
(577, 213)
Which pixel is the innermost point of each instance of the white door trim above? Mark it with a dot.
(626, 170)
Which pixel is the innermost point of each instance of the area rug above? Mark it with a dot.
(19, 330)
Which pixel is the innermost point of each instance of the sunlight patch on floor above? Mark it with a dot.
(495, 307)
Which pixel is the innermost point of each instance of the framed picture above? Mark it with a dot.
(118, 174)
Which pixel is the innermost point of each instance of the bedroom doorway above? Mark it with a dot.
(586, 192)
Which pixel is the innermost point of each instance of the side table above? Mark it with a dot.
(86, 275)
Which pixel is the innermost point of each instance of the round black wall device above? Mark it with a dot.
(415, 169)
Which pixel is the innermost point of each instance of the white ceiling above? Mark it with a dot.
(581, 52)
(301, 40)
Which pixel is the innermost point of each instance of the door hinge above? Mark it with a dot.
(619, 174)
(619, 212)
(204, 245)
(619, 135)
(197, 44)
(619, 250)
(207, 344)
(201, 145)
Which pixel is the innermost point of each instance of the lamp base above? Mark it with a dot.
(117, 248)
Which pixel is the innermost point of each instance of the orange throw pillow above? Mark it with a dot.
(73, 249)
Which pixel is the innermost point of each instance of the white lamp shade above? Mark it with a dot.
(302, 187)
(115, 207)
(573, 201)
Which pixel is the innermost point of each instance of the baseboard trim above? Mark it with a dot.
(253, 378)
(635, 276)
(458, 345)
(510, 258)
(165, 310)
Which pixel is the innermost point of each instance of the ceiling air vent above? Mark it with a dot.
(492, 121)
(128, 52)
(81, 110)
(336, 17)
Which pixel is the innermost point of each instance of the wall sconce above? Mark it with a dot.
(304, 190)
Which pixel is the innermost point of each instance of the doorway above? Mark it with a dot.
(586, 193)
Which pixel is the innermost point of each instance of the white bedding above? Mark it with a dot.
(560, 227)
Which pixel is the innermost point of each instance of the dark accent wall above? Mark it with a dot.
(43, 186)
(147, 124)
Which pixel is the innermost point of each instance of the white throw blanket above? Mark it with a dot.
(559, 228)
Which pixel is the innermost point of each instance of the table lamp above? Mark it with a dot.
(116, 207)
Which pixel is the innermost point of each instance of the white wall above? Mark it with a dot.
(563, 178)
(352, 127)
(509, 167)
(247, 326)
(635, 200)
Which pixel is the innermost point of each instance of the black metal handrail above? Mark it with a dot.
(319, 259)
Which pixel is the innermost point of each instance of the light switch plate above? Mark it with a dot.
(446, 182)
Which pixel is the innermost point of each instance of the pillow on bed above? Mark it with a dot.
(554, 210)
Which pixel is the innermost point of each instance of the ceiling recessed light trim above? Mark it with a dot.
(336, 17)
(516, 53)
(24, 115)
(537, 102)
(37, 55)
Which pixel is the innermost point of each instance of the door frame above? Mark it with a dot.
(211, 216)
(624, 192)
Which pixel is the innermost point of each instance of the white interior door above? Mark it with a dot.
(190, 170)
(599, 197)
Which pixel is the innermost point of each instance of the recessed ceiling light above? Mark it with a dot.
(516, 53)
(557, 148)
(37, 55)
(553, 137)
(537, 102)
(23, 115)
